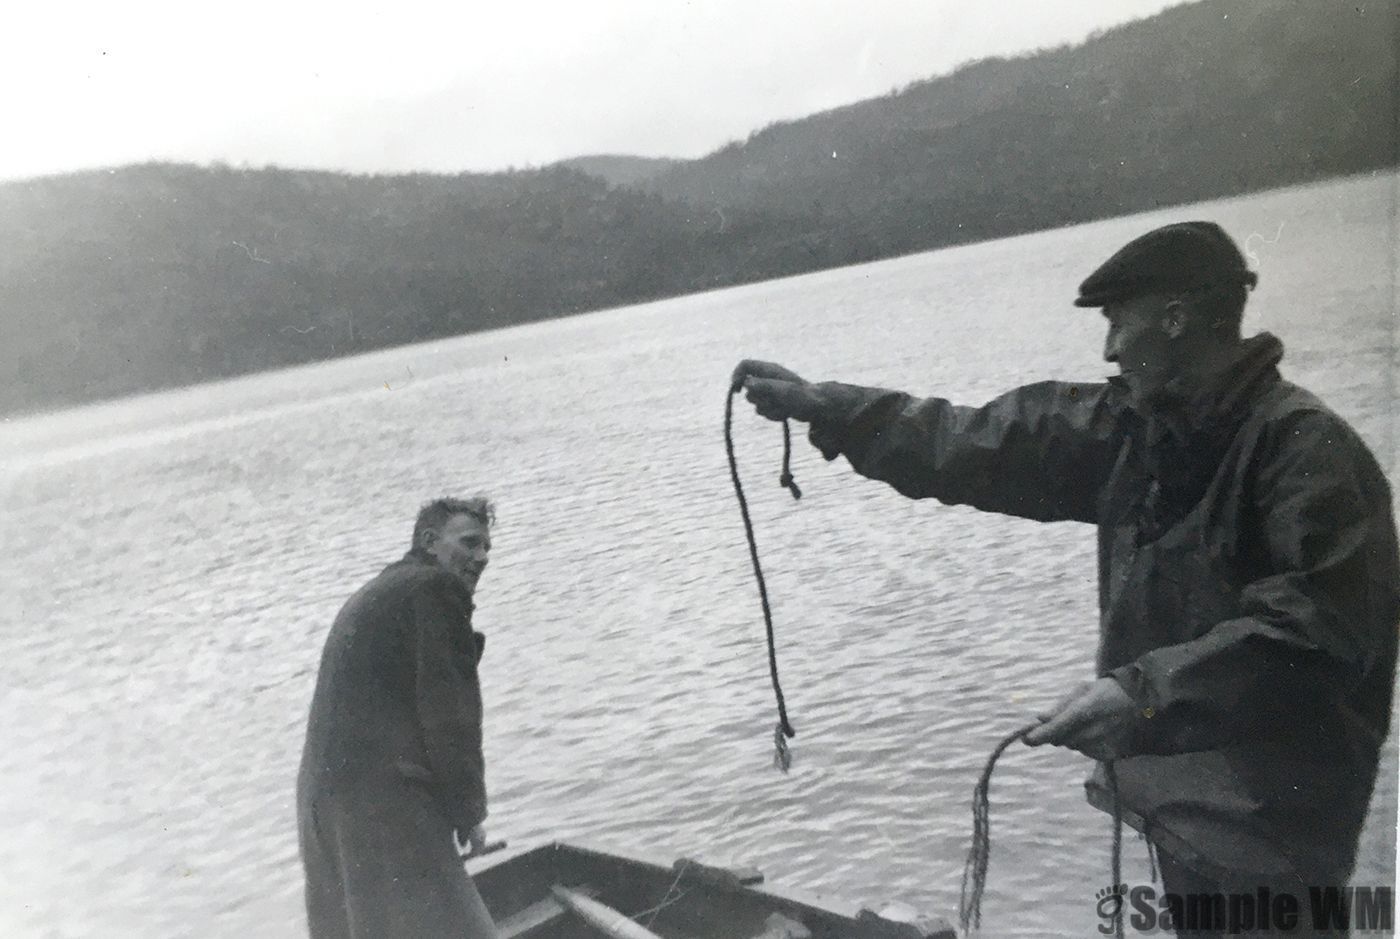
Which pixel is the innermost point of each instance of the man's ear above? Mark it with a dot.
(427, 538)
(1174, 319)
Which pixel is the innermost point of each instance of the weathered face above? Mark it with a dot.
(1143, 341)
(461, 546)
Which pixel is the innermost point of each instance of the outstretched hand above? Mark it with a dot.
(783, 400)
(1095, 719)
(754, 368)
(777, 393)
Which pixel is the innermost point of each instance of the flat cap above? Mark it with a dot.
(1183, 256)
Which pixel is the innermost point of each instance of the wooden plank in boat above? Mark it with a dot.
(601, 917)
(542, 913)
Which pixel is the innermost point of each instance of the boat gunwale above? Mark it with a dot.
(829, 911)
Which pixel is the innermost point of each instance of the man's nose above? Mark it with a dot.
(1110, 346)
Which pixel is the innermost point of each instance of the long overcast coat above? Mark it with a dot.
(1248, 583)
(393, 763)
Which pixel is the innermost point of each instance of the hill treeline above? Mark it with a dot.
(156, 275)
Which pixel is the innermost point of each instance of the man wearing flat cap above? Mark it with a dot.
(1248, 572)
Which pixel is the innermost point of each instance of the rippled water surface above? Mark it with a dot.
(173, 564)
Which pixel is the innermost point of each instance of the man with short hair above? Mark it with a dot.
(1248, 569)
(392, 775)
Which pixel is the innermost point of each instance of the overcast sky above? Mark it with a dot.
(419, 85)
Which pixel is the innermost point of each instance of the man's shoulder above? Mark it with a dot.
(403, 578)
(1293, 406)
(414, 570)
(1294, 418)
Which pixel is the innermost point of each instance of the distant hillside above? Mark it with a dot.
(150, 276)
(620, 170)
(159, 275)
(1202, 100)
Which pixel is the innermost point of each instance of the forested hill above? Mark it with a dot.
(1204, 99)
(156, 275)
(620, 170)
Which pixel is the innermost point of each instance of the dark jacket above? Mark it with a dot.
(1248, 582)
(397, 697)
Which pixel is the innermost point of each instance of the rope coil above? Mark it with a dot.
(783, 731)
(974, 879)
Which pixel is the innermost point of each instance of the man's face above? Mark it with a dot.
(461, 546)
(1142, 334)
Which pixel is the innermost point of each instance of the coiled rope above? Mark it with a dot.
(974, 879)
(783, 731)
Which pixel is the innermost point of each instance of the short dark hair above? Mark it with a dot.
(432, 516)
(1220, 307)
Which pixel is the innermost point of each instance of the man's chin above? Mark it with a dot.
(1142, 394)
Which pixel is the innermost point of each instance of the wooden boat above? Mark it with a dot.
(565, 891)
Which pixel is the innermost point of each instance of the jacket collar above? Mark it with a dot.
(418, 556)
(1253, 370)
(1223, 401)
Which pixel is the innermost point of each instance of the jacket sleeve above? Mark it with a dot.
(1311, 627)
(449, 702)
(1041, 452)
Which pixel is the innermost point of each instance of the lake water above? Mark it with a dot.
(173, 563)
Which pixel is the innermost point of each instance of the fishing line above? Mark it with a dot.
(783, 731)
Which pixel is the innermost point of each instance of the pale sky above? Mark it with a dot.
(445, 87)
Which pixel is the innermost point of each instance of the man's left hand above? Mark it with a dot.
(780, 400)
(472, 842)
(1097, 722)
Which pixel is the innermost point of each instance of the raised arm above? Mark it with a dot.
(1042, 451)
